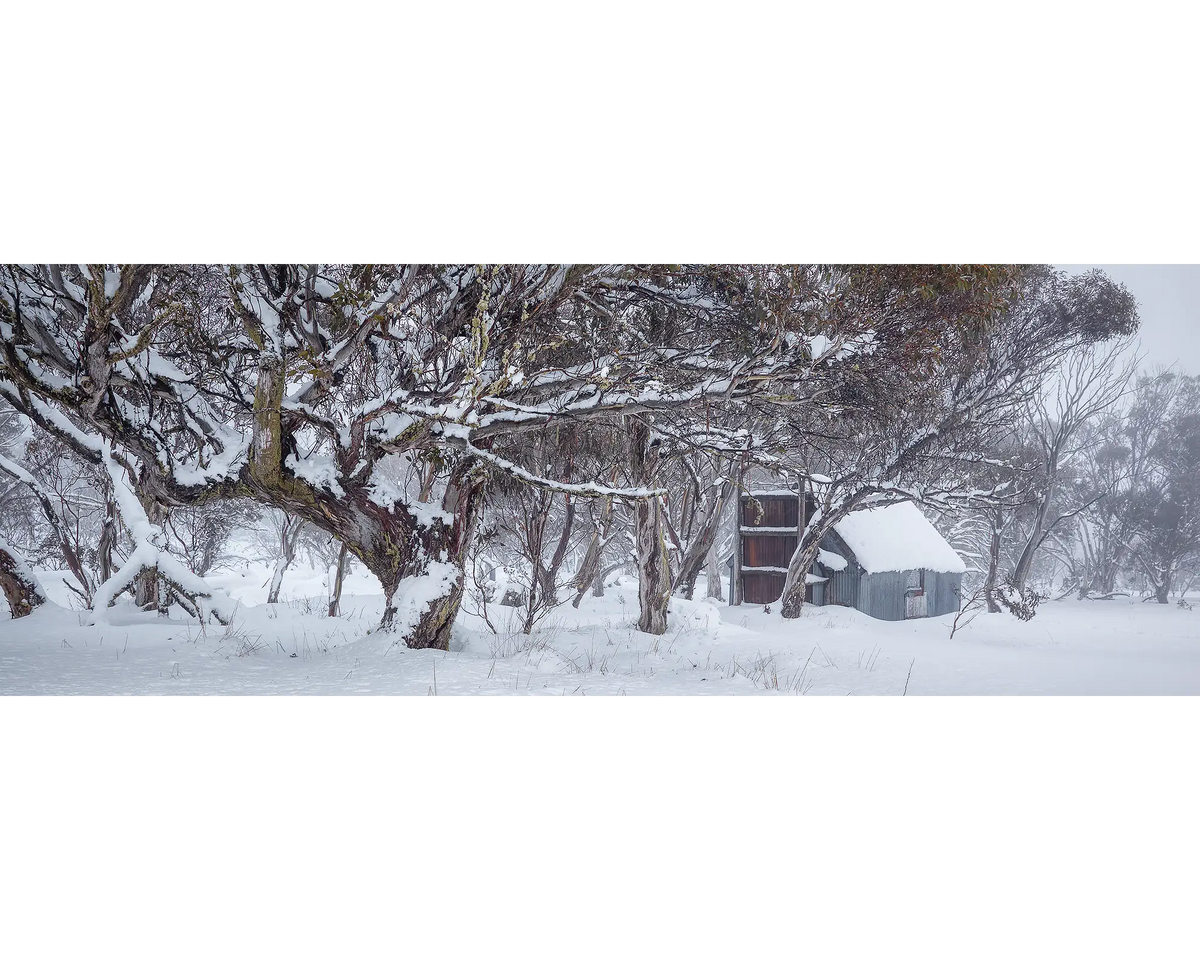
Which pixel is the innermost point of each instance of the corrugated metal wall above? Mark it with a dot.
(881, 595)
(844, 587)
(943, 593)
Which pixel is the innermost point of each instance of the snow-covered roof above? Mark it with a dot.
(897, 537)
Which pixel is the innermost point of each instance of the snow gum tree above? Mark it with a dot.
(378, 403)
(1165, 506)
(533, 526)
(654, 570)
(371, 401)
(942, 359)
(1092, 379)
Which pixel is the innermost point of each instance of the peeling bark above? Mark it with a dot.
(809, 545)
(266, 464)
(588, 568)
(654, 571)
(462, 499)
(796, 582)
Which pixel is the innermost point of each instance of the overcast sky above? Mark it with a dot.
(1169, 302)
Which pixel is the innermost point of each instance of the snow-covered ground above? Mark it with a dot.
(1071, 647)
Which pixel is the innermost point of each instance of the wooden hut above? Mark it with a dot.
(889, 562)
(769, 522)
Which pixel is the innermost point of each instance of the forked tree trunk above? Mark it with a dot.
(654, 571)
(1106, 582)
(549, 574)
(1025, 561)
(426, 549)
(589, 574)
(433, 555)
(587, 569)
(289, 536)
(701, 545)
(21, 589)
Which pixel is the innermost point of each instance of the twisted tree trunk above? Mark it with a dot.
(148, 591)
(433, 556)
(424, 551)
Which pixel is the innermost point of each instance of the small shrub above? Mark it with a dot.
(1023, 606)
